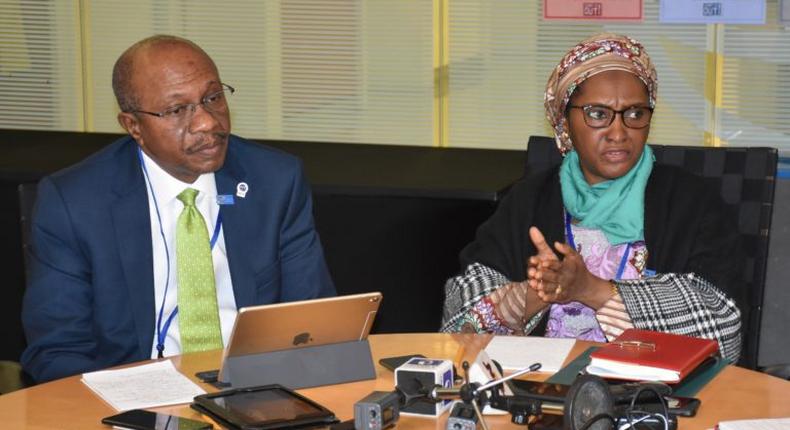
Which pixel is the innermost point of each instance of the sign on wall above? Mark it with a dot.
(712, 11)
(606, 10)
(784, 12)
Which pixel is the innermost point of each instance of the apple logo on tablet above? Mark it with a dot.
(302, 338)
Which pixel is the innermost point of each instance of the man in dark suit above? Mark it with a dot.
(110, 271)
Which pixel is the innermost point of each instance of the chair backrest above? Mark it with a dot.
(746, 178)
(11, 375)
(27, 198)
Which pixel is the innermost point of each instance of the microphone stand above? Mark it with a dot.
(601, 402)
(475, 394)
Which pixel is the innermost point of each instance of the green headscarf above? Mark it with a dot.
(615, 206)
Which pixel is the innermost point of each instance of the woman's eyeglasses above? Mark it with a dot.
(598, 116)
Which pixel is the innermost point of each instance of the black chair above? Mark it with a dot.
(746, 178)
(11, 375)
(27, 198)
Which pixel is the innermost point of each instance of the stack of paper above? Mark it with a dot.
(759, 424)
(518, 352)
(140, 387)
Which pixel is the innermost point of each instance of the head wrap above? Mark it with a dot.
(600, 53)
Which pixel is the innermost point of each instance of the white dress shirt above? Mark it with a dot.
(165, 190)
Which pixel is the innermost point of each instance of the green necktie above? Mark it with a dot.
(198, 314)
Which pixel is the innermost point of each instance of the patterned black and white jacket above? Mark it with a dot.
(693, 246)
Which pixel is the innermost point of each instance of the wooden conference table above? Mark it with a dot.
(736, 393)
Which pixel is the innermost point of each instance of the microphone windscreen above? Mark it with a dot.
(589, 398)
(416, 377)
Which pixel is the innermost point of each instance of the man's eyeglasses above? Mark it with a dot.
(216, 102)
(598, 116)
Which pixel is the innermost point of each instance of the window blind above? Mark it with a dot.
(317, 70)
(357, 71)
(234, 35)
(40, 65)
(501, 55)
(363, 71)
(754, 108)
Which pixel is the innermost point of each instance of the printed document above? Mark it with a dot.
(758, 424)
(145, 386)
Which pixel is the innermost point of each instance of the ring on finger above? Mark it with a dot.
(558, 290)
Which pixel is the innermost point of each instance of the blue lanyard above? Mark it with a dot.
(572, 243)
(161, 332)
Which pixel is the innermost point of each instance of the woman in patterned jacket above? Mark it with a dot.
(608, 240)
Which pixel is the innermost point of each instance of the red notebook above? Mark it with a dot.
(643, 355)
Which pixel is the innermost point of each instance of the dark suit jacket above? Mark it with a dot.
(90, 299)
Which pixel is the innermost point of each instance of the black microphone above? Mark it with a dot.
(378, 410)
(381, 409)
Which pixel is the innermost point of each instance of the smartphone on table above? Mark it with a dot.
(138, 419)
(392, 363)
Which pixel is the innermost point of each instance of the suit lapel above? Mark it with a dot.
(130, 214)
(234, 219)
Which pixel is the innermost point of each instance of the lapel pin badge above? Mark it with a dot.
(241, 189)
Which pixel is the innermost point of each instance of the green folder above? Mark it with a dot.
(567, 374)
(699, 377)
(688, 387)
